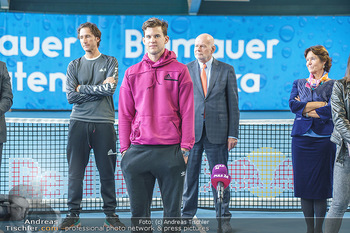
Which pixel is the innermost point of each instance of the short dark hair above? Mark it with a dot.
(322, 53)
(154, 22)
(93, 28)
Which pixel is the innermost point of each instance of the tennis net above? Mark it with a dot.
(34, 165)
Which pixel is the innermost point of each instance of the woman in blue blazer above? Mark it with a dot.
(312, 151)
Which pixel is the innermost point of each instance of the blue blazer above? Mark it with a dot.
(322, 125)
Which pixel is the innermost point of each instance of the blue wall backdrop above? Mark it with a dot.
(266, 52)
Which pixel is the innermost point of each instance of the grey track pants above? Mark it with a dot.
(141, 166)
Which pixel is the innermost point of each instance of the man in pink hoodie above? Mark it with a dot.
(156, 127)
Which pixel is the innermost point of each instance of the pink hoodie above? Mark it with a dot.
(156, 105)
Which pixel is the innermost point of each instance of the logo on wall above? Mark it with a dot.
(264, 172)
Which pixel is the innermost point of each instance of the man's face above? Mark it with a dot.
(203, 50)
(154, 40)
(87, 40)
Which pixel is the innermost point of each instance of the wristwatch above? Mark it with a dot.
(185, 153)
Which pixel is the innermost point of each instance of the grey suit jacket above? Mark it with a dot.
(220, 104)
(5, 99)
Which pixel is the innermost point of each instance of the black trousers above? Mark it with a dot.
(141, 166)
(82, 137)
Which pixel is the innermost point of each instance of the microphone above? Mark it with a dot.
(220, 179)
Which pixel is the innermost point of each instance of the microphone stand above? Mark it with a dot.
(220, 189)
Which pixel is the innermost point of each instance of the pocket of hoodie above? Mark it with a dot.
(171, 84)
(176, 123)
(164, 127)
(135, 130)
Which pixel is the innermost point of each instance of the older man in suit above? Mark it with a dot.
(5, 102)
(216, 122)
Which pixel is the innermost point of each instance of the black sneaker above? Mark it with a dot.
(72, 220)
(113, 221)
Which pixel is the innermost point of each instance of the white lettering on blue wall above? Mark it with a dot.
(49, 46)
(254, 49)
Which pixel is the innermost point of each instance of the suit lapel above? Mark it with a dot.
(197, 77)
(213, 75)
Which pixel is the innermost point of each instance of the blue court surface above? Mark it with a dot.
(204, 222)
(241, 222)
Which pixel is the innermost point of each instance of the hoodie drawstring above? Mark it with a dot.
(154, 80)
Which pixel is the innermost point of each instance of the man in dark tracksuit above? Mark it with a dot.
(91, 83)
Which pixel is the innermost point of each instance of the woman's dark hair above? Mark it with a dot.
(322, 53)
